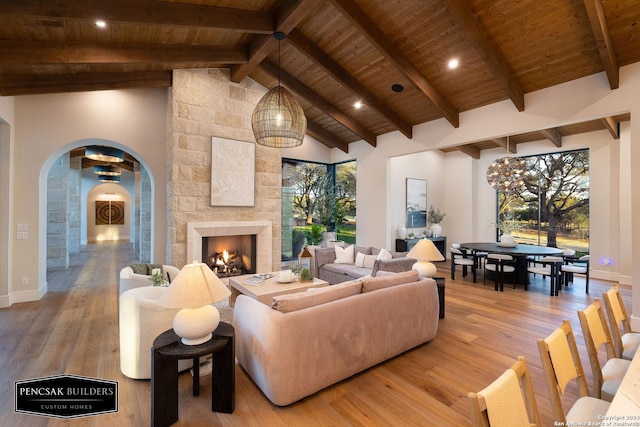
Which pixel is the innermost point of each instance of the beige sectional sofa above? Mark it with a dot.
(327, 269)
(310, 340)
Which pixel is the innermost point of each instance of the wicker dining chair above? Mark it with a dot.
(561, 364)
(625, 341)
(608, 376)
(509, 400)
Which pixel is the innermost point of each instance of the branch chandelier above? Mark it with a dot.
(507, 174)
(278, 120)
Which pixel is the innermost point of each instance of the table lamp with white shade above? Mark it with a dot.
(193, 290)
(425, 251)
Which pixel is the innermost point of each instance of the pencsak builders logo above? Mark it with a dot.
(66, 396)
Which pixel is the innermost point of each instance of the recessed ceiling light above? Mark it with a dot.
(358, 105)
(397, 87)
(101, 24)
(453, 63)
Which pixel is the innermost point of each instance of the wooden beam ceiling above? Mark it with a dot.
(304, 45)
(361, 20)
(34, 53)
(54, 46)
(54, 83)
(147, 12)
(288, 17)
(603, 40)
(327, 138)
(489, 52)
(552, 135)
(612, 126)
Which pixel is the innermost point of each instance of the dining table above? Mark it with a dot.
(520, 252)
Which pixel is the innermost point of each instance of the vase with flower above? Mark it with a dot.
(157, 278)
(435, 216)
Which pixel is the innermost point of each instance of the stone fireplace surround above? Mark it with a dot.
(262, 229)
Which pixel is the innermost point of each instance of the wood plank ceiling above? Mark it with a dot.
(337, 53)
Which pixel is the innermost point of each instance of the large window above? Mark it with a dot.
(316, 197)
(553, 209)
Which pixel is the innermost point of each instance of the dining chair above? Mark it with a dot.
(464, 258)
(626, 342)
(577, 266)
(499, 264)
(561, 364)
(608, 376)
(507, 401)
(549, 267)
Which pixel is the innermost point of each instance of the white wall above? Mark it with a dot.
(6, 195)
(47, 126)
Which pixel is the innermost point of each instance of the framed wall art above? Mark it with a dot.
(109, 212)
(416, 203)
(232, 172)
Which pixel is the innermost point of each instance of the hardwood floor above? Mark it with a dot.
(74, 329)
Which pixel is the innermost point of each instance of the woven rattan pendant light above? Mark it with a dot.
(278, 120)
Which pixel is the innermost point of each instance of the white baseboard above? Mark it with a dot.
(23, 296)
(604, 275)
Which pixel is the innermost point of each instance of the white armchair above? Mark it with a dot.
(131, 280)
(141, 321)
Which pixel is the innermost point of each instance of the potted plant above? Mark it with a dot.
(314, 235)
(157, 278)
(435, 216)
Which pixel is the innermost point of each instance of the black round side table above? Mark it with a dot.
(168, 349)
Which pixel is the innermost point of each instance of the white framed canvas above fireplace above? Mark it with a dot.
(232, 172)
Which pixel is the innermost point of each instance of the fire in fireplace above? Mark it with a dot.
(226, 264)
(230, 255)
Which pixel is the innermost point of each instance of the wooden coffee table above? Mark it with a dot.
(269, 288)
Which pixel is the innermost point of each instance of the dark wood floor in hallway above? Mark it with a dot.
(74, 329)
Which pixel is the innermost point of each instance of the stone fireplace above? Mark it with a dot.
(232, 231)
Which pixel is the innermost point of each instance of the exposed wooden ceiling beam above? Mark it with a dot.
(612, 126)
(488, 50)
(14, 52)
(372, 32)
(552, 135)
(288, 17)
(11, 85)
(145, 12)
(317, 101)
(304, 45)
(506, 144)
(469, 150)
(327, 138)
(598, 22)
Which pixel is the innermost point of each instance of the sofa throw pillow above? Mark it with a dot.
(384, 255)
(301, 300)
(344, 255)
(369, 261)
(360, 259)
(373, 283)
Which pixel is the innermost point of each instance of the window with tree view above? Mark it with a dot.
(317, 198)
(553, 207)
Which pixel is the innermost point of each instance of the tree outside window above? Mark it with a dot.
(316, 197)
(553, 208)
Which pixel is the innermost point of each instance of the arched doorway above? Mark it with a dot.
(72, 204)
